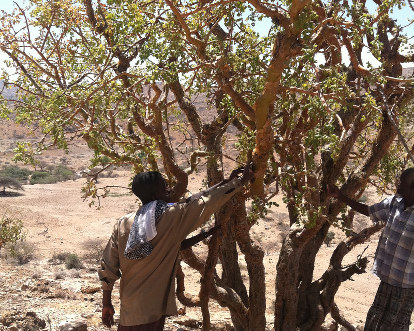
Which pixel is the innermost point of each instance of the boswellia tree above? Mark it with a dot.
(287, 78)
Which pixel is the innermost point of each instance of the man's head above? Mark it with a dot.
(406, 186)
(149, 186)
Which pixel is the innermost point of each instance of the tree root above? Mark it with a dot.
(340, 319)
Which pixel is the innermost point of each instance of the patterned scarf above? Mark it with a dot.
(143, 229)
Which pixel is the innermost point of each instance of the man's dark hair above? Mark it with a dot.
(408, 177)
(146, 184)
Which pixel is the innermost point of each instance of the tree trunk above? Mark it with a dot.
(286, 282)
(231, 274)
(254, 255)
(306, 269)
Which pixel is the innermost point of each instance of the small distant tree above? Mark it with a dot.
(20, 174)
(11, 230)
(8, 182)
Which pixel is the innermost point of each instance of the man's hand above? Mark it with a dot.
(248, 174)
(235, 173)
(108, 312)
(333, 191)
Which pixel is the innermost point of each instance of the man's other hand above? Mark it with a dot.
(108, 312)
(248, 174)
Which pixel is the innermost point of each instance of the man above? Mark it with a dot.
(144, 248)
(394, 257)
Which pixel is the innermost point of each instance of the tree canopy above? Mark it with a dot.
(302, 102)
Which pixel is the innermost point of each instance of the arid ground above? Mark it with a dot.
(45, 294)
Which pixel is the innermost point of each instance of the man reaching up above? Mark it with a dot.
(394, 258)
(144, 248)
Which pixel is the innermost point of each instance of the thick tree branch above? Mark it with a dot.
(275, 14)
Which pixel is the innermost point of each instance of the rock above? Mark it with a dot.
(24, 287)
(182, 311)
(191, 323)
(33, 320)
(74, 326)
(7, 319)
(330, 325)
(90, 290)
(18, 321)
(342, 328)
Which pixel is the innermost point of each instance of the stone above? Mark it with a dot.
(74, 326)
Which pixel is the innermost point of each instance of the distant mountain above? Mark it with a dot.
(10, 92)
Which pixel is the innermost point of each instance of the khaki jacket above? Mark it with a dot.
(147, 288)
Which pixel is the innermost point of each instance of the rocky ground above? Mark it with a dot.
(43, 294)
(40, 292)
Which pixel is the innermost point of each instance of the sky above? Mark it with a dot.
(402, 16)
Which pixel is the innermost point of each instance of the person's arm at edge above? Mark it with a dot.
(247, 175)
(335, 192)
(228, 187)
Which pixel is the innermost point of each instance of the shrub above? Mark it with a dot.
(10, 183)
(59, 275)
(73, 262)
(11, 230)
(57, 174)
(20, 174)
(39, 177)
(94, 254)
(22, 251)
(63, 173)
(61, 257)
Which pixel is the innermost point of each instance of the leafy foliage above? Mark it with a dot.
(59, 173)
(22, 251)
(72, 261)
(298, 99)
(18, 173)
(12, 183)
(11, 230)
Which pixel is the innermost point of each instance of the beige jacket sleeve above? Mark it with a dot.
(109, 271)
(198, 211)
